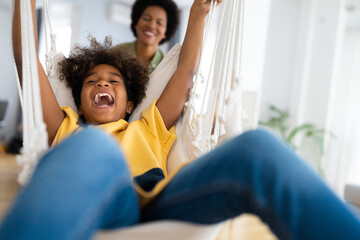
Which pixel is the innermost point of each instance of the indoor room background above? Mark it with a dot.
(300, 56)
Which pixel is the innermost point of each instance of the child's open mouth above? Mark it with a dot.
(103, 100)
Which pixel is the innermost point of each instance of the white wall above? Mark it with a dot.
(302, 48)
(8, 87)
(304, 60)
(280, 50)
(95, 21)
(91, 17)
(255, 38)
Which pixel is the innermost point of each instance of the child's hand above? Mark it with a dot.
(204, 5)
(172, 100)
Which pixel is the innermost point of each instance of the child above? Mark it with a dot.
(85, 183)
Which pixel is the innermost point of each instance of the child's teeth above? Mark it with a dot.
(100, 95)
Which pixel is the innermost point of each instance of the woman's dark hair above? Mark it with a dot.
(82, 59)
(170, 8)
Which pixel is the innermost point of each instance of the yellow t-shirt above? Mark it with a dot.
(145, 143)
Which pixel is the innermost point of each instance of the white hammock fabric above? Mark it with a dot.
(163, 230)
(215, 97)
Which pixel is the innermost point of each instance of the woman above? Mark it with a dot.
(154, 22)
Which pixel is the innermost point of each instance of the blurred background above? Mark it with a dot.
(301, 58)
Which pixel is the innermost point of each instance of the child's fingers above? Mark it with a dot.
(219, 2)
(209, 1)
(205, 4)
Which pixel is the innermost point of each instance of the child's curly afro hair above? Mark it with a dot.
(82, 59)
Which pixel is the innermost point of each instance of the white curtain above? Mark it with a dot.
(342, 162)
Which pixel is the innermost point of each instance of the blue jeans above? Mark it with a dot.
(84, 185)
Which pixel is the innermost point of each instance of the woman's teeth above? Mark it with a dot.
(148, 33)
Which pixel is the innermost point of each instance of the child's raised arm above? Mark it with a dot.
(53, 115)
(173, 98)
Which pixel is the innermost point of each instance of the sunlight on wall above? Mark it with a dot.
(63, 39)
(61, 17)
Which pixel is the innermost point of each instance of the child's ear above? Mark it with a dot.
(80, 111)
(129, 107)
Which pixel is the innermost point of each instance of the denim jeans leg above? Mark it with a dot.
(255, 173)
(80, 186)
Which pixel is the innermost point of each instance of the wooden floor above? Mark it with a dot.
(8, 184)
(245, 227)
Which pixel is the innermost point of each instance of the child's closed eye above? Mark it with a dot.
(115, 82)
(91, 82)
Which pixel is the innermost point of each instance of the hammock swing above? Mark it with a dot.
(212, 114)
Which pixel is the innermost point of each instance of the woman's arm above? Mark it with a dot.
(53, 115)
(174, 96)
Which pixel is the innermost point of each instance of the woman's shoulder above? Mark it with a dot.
(129, 46)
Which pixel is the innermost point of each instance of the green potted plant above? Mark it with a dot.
(278, 122)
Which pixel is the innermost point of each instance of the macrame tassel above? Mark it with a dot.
(51, 51)
(34, 128)
(206, 113)
(31, 153)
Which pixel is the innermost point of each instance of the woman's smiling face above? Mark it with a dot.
(103, 96)
(152, 24)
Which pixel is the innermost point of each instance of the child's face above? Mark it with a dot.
(103, 95)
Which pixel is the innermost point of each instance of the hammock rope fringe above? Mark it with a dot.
(34, 128)
(206, 115)
(205, 120)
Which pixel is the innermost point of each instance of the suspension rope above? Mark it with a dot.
(212, 91)
(34, 128)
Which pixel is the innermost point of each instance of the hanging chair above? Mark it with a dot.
(214, 99)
